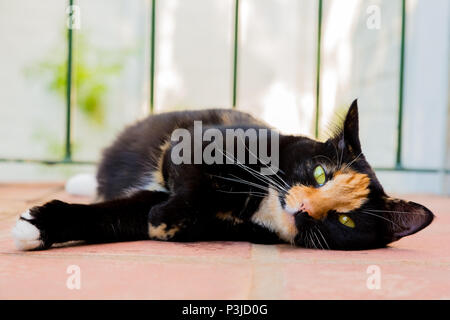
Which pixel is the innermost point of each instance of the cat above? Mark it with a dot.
(322, 195)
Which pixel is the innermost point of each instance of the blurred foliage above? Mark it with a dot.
(93, 70)
(54, 144)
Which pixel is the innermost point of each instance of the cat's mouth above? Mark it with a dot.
(305, 200)
(294, 211)
(301, 209)
(292, 215)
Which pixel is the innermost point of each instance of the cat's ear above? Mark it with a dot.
(404, 218)
(350, 131)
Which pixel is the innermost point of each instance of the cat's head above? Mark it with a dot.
(335, 198)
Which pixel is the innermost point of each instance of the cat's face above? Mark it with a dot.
(335, 200)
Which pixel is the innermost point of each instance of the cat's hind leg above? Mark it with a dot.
(116, 220)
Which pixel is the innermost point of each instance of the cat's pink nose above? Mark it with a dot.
(308, 209)
(303, 208)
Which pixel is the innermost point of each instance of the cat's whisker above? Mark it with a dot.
(258, 174)
(253, 172)
(307, 240)
(312, 240)
(276, 175)
(264, 181)
(292, 241)
(282, 186)
(400, 212)
(322, 156)
(323, 237)
(269, 180)
(356, 158)
(315, 245)
(304, 240)
(318, 240)
(381, 217)
(256, 194)
(274, 183)
(240, 180)
(337, 156)
(255, 184)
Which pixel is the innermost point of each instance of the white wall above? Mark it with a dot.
(426, 105)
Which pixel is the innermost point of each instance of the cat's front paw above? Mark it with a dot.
(33, 230)
(26, 235)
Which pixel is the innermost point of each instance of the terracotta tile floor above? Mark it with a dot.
(412, 268)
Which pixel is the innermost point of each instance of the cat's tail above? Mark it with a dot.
(84, 184)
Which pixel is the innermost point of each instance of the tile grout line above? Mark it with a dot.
(267, 281)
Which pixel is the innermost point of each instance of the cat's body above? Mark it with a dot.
(132, 162)
(321, 194)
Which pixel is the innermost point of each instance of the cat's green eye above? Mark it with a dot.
(346, 221)
(319, 175)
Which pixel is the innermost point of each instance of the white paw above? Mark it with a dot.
(26, 235)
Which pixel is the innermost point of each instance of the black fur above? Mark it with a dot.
(203, 202)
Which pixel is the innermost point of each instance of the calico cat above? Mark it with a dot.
(321, 195)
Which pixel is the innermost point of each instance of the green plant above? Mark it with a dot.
(93, 70)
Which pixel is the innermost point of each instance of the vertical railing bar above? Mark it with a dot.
(443, 172)
(69, 93)
(152, 57)
(235, 57)
(319, 40)
(398, 160)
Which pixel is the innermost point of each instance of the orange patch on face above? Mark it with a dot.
(346, 191)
